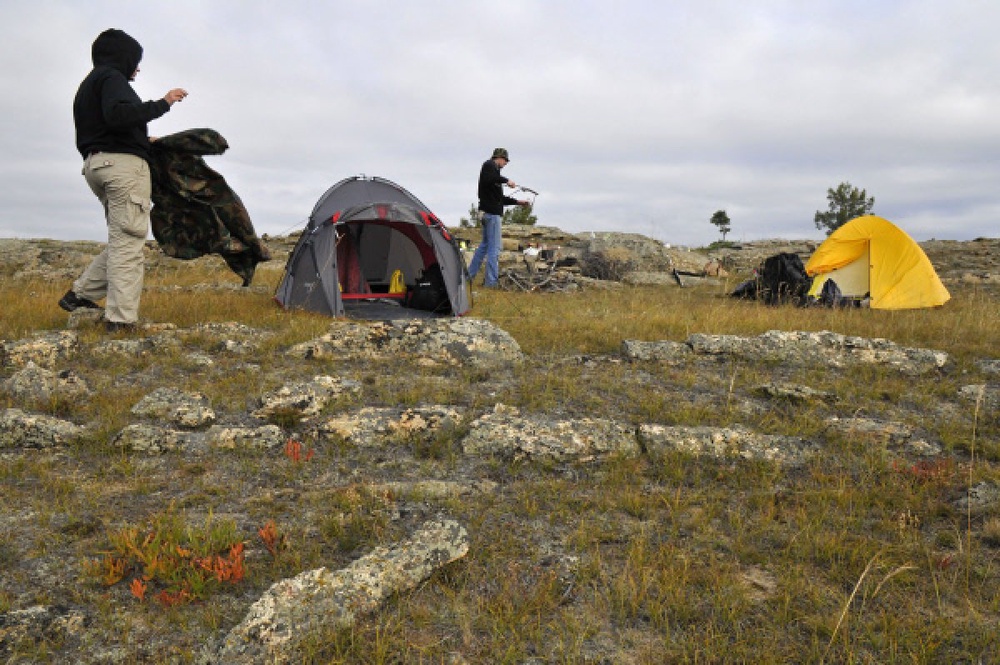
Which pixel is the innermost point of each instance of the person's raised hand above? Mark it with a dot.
(175, 95)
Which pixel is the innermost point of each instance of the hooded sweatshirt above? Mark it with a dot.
(109, 115)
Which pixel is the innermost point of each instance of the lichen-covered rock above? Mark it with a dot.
(981, 496)
(137, 346)
(594, 284)
(435, 489)
(661, 351)
(894, 435)
(187, 410)
(238, 347)
(24, 430)
(870, 429)
(921, 448)
(45, 349)
(470, 341)
(824, 347)
(198, 359)
(37, 384)
(39, 624)
(646, 253)
(229, 330)
(304, 399)
(989, 366)
(231, 337)
(794, 393)
(373, 426)
(84, 318)
(985, 397)
(266, 437)
(151, 439)
(56, 261)
(725, 442)
(321, 600)
(504, 432)
(465, 341)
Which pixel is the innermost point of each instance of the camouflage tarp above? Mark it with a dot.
(195, 212)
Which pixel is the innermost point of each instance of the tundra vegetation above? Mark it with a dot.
(862, 555)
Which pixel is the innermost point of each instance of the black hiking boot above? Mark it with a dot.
(71, 302)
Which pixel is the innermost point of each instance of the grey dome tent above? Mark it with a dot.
(361, 233)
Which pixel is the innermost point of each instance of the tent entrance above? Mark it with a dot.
(853, 279)
(370, 252)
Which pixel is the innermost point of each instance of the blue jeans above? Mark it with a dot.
(489, 249)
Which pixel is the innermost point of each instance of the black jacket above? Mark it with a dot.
(491, 197)
(109, 116)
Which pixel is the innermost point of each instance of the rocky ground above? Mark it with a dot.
(970, 262)
(430, 465)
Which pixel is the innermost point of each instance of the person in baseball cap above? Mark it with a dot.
(491, 204)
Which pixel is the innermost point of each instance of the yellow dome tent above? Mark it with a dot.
(870, 255)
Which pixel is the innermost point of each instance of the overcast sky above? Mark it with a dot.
(630, 116)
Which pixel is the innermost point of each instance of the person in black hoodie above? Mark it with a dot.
(112, 138)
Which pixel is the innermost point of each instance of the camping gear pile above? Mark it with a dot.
(781, 279)
(541, 269)
(868, 262)
(372, 250)
(544, 277)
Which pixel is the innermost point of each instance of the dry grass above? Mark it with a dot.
(857, 557)
(597, 321)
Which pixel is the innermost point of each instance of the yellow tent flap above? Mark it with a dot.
(900, 276)
(853, 279)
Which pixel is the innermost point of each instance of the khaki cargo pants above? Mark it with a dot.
(123, 185)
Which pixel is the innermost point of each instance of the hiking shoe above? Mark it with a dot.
(119, 327)
(71, 302)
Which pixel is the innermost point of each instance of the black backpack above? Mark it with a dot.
(429, 292)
